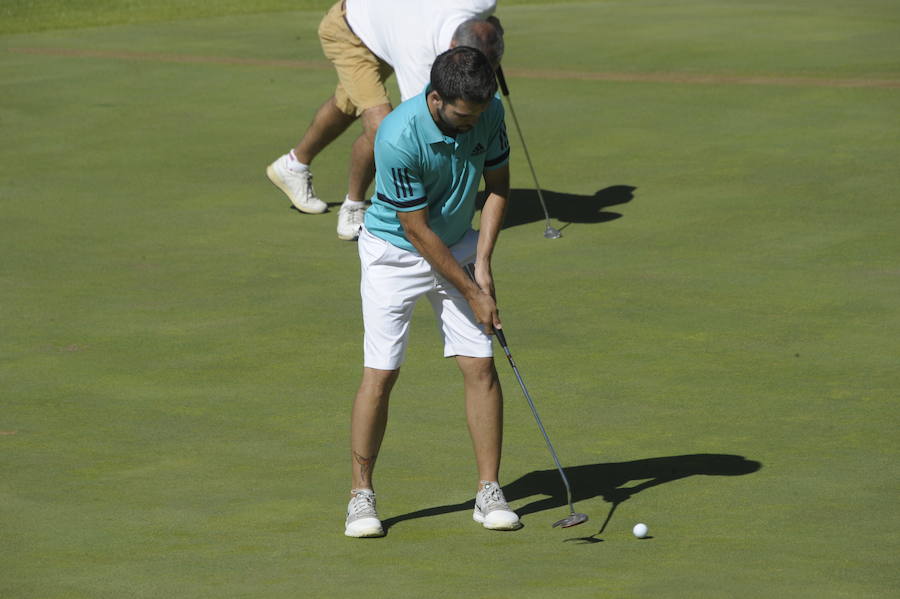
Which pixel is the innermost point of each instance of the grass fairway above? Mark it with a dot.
(712, 344)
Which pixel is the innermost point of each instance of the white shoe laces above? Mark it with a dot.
(310, 192)
(492, 498)
(301, 182)
(362, 506)
(355, 215)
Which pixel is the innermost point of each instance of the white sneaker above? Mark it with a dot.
(296, 185)
(362, 520)
(491, 509)
(350, 221)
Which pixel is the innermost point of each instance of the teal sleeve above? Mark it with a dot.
(398, 183)
(498, 146)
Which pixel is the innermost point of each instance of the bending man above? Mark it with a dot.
(367, 40)
(431, 154)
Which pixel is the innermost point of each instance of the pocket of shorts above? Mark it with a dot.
(372, 249)
(465, 250)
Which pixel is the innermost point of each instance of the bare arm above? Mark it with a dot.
(480, 295)
(436, 252)
(496, 183)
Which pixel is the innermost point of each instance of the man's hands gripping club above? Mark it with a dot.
(484, 302)
(478, 292)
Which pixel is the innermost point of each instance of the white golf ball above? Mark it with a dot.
(640, 530)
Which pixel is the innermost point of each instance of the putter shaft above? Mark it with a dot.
(550, 232)
(537, 418)
(574, 518)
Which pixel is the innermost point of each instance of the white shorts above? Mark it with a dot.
(392, 280)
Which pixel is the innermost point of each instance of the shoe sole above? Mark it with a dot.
(278, 182)
(482, 520)
(364, 527)
(345, 237)
(348, 237)
(365, 533)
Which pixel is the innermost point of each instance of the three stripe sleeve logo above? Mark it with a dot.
(402, 182)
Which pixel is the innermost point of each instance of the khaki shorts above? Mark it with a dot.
(361, 74)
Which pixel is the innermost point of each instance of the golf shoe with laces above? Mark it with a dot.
(362, 519)
(491, 509)
(350, 221)
(297, 185)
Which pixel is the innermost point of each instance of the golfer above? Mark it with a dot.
(431, 154)
(367, 40)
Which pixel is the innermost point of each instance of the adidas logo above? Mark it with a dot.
(479, 149)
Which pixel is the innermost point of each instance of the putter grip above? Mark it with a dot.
(502, 81)
(500, 336)
(470, 270)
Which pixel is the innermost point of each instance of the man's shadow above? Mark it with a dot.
(525, 206)
(608, 481)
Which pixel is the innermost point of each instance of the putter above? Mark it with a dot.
(574, 518)
(550, 232)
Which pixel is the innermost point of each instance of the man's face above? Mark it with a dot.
(457, 117)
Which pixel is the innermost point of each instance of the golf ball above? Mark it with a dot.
(640, 530)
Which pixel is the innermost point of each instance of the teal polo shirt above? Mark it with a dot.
(417, 166)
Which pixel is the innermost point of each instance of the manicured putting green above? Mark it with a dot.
(712, 344)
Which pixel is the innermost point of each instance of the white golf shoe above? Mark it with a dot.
(296, 185)
(491, 509)
(350, 221)
(362, 519)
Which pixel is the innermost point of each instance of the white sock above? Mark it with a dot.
(295, 165)
(352, 203)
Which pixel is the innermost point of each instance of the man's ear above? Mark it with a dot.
(496, 23)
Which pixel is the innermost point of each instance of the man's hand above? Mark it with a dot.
(479, 293)
(484, 302)
(484, 281)
(485, 309)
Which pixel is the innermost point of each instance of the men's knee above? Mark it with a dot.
(480, 371)
(378, 382)
(372, 117)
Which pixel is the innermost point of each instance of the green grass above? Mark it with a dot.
(178, 350)
(23, 16)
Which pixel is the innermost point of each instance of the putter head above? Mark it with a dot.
(573, 519)
(551, 233)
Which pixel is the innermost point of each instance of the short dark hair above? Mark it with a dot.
(463, 73)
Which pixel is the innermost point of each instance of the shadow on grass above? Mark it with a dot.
(525, 206)
(607, 481)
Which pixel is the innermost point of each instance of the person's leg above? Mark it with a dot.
(290, 172)
(361, 173)
(484, 413)
(361, 91)
(388, 296)
(362, 157)
(391, 280)
(327, 125)
(466, 341)
(368, 422)
(367, 425)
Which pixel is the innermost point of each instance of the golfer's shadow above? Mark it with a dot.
(607, 481)
(525, 206)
